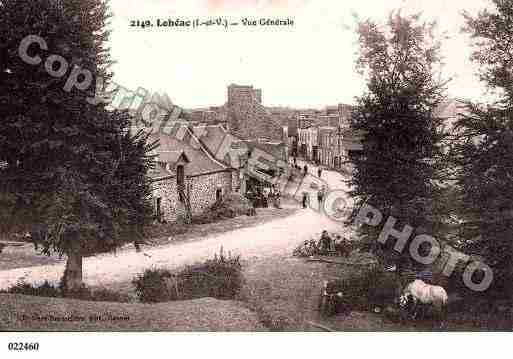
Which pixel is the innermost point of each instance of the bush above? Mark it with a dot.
(43, 290)
(233, 205)
(366, 289)
(48, 290)
(220, 277)
(342, 247)
(151, 286)
(306, 249)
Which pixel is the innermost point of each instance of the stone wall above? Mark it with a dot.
(172, 209)
(201, 190)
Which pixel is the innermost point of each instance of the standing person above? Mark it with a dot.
(277, 199)
(305, 199)
(250, 196)
(320, 197)
(325, 242)
(319, 172)
(295, 160)
(265, 195)
(305, 168)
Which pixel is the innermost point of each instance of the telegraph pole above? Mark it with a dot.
(339, 155)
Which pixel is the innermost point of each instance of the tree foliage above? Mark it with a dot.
(483, 146)
(402, 136)
(72, 175)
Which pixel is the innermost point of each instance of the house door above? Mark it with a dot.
(180, 182)
(315, 154)
(158, 209)
(303, 149)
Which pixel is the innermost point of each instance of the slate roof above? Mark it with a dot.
(277, 149)
(160, 173)
(211, 136)
(172, 146)
(172, 156)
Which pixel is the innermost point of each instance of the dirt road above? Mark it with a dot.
(278, 237)
(274, 238)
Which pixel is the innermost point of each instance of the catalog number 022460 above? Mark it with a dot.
(23, 346)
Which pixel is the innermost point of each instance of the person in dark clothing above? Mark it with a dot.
(305, 168)
(324, 242)
(320, 197)
(277, 200)
(295, 160)
(319, 172)
(305, 199)
(342, 246)
(251, 196)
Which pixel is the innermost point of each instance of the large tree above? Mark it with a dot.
(72, 175)
(484, 146)
(398, 170)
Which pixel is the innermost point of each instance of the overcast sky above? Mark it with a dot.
(308, 65)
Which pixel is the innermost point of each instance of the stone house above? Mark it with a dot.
(187, 179)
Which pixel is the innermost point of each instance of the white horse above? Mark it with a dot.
(427, 294)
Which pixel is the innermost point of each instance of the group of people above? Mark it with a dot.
(273, 196)
(327, 244)
(305, 168)
(265, 197)
(320, 197)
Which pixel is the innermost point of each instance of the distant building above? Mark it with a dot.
(328, 146)
(247, 118)
(214, 115)
(308, 143)
(238, 93)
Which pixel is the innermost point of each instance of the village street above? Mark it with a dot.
(278, 237)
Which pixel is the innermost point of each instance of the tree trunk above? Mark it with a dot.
(72, 279)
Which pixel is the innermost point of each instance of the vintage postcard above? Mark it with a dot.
(255, 166)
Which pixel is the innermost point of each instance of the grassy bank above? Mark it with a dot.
(27, 313)
(284, 292)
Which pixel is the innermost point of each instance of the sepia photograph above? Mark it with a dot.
(255, 166)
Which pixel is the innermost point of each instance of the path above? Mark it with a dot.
(278, 237)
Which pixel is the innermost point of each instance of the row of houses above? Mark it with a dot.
(191, 172)
(327, 138)
(328, 145)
